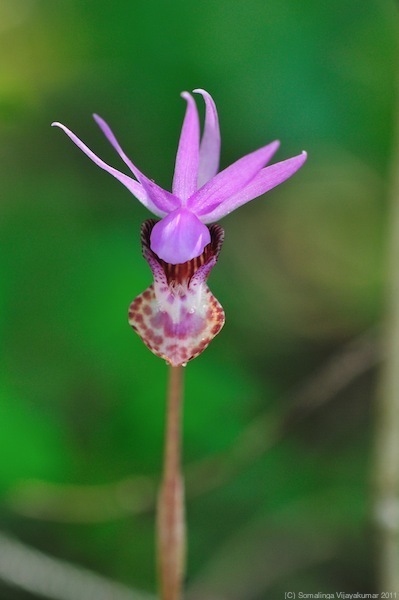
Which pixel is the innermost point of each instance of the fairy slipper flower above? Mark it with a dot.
(178, 316)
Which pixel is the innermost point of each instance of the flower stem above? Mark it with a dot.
(170, 512)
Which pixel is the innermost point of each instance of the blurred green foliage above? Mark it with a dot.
(81, 399)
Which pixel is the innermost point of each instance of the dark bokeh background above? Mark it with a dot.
(300, 275)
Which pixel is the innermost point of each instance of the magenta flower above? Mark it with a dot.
(177, 316)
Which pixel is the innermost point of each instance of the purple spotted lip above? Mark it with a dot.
(178, 316)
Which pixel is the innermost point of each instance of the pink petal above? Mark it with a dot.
(161, 198)
(231, 180)
(133, 186)
(179, 237)
(186, 168)
(267, 179)
(209, 153)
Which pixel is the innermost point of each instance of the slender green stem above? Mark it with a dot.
(170, 514)
(386, 474)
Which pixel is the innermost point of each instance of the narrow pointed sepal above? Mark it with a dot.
(178, 316)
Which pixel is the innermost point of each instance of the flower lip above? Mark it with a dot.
(178, 316)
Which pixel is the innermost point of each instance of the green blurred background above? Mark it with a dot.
(282, 501)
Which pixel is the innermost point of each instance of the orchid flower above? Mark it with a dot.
(178, 316)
